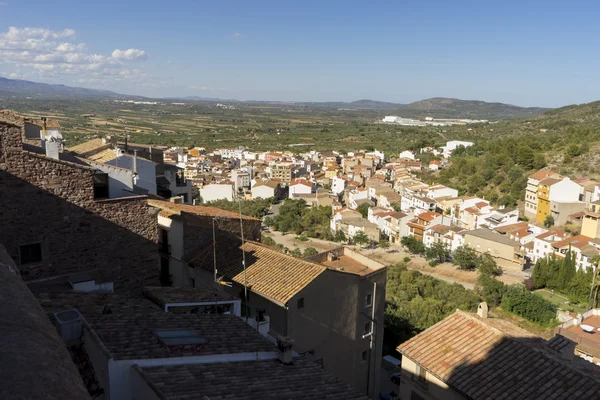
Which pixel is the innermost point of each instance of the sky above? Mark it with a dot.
(527, 52)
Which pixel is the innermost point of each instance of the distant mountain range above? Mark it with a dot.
(438, 107)
(21, 88)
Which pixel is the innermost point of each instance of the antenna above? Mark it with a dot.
(214, 251)
(243, 260)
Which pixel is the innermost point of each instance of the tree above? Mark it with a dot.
(310, 251)
(384, 244)
(488, 266)
(363, 209)
(528, 305)
(466, 258)
(437, 253)
(339, 236)
(360, 238)
(396, 206)
(490, 289)
(412, 244)
(549, 221)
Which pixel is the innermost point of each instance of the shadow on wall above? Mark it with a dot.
(49, 236)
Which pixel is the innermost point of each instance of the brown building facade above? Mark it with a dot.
(56, 220)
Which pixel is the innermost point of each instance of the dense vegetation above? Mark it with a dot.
(416, 301)
(294, 216)
(562, 276)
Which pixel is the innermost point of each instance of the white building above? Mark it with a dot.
(337, 185)
(217, 191)
(241, 179)
(436, 191)
(300, 186)
(407, 154)
(452, 145)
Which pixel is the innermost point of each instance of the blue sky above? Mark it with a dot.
(528, 52)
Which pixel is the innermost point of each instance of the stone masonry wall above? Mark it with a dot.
(52, 202)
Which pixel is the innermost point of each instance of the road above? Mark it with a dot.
(395, 254)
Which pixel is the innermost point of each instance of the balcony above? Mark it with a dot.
(164, 248)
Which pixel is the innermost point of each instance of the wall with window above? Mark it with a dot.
(52, 202)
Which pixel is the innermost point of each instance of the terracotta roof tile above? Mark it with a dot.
(270, 273)
(88, 147)
(247, 380)
(543, 174)
(166, 295)
(492, 358)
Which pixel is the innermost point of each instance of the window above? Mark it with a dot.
(420, 375)
(363, 356)
(369, 300)
(30, 253)
(300, 303)
(367, 328)
(100, 186)
(177, 337)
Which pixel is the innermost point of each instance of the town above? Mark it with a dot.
(159, 279)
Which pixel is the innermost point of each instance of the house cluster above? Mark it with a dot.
(429, 121)
(130, 295)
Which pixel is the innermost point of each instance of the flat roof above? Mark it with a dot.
(166, 295)
(348, 264)
(491, 235)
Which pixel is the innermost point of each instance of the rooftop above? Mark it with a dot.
(542, 174)
(491, 235)
(204, 211)
(246, 380)
(492, 358)
(167, 295)
(89, 147)
(269, 273)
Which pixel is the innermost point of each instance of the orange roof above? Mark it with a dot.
(300, 182)
(178, 209)
(552, 231)
(549, 181)
(543, 174)
(487, 358)
(270, 273)
(482, 204)
(576, 241)
(428, 216)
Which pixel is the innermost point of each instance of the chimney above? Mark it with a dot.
(176, 200)
(44, 125)
(52, 148)
(482, 310)
(331, 256)
(126, 145)
(106, 140)
(285, 343)
(134, 159)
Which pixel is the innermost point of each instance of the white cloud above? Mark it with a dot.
(129, 55)
(238, 35)
(41, 52)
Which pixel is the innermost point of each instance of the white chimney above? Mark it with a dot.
(176, 199)
(482, 310)
(285, 343)
(52, 147)
(135, 161)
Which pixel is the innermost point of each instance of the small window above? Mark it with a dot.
(300, 303)
(421, 374)
(100, 186)
(367, 328)
(30, 253)
(177, 337)
(363, 356)
(369, 300)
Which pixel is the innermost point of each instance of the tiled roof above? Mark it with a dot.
(578, 241)
(542, 174)
(549, 181)
(50, 123)
(517, 226)
(428, 216)
(166, 295)
(301, 182)
(103, 156)
(246, 380)
(487, 234)
(494, 359)
(130, 337)
(203, 211)
(88, 147)
(270, 273)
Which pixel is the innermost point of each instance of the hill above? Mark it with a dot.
(22, 88)
(441, 107)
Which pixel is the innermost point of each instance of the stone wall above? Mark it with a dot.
(52, 202)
